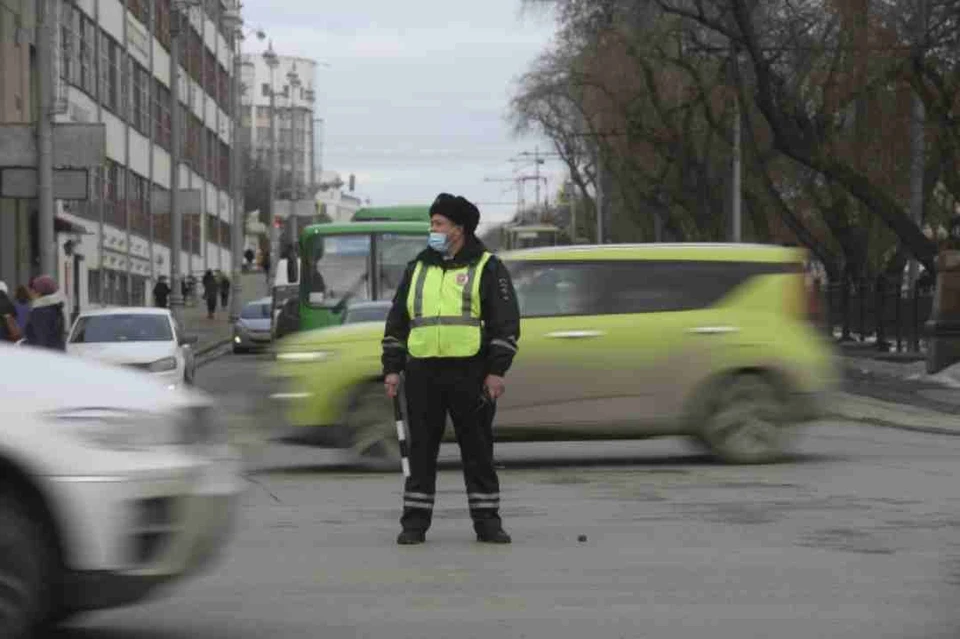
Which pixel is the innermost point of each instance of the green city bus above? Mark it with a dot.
(337, 260)
(402, 213)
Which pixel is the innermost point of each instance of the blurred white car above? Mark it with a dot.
(146, 339)
(110, 485)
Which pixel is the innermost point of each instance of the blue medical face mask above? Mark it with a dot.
(439, 242)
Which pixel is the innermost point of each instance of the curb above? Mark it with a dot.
(208, 353)
(857, 408)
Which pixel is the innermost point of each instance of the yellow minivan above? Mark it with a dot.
(706, 341)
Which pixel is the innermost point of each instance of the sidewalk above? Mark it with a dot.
(894, 389)
(217, 332)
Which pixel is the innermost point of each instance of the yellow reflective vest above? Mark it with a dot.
(444, 309)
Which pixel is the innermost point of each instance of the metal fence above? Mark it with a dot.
(885, 315)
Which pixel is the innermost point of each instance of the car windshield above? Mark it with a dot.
(256, 310)
(122, 328)
(367, 314)
(339, 265)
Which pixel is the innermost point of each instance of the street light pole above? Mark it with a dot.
(736, 188)
(176, 217)
(235, 24)
(46, 214)
(292, 225)
(270, 57)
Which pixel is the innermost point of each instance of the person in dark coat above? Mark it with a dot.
(210, 292)
(9, 329)
(47, 325)
(224, 290)
(21, 302)
(453, 330)
(161, 292)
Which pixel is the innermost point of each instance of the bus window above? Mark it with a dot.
(339, 266)
(394, 252)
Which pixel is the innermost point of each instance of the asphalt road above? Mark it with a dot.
(859, 536)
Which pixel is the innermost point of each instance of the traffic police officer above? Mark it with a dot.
(453, 329)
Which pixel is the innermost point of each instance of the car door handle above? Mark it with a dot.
(713, 330)
(574, 334)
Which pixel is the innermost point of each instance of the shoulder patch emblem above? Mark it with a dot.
(461, 279)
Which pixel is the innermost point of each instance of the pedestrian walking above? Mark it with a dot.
(47, 325)
(21, 302)
(224, 290)
(265, 262)
(453, 331)
(210, 290)
(9, 329)
(161, 292)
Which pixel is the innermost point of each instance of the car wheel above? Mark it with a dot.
(372, 427)
(744, 421)
(26, 562)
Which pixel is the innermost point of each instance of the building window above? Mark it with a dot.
(67, 40)
(224, 234)
(161, 222)
(137, 201)
(140, 10)
(76, 27)
(224, 165)
(162, 22)
(161, 114)
(125, 65)
(141, 105)
(93, 286)
(88, 77)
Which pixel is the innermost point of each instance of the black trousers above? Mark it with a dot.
(434, 389)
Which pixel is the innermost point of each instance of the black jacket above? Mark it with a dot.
(499, 310)
(47, 326)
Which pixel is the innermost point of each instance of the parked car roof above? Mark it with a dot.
(125, 310)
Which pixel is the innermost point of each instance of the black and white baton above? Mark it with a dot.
(401, 436)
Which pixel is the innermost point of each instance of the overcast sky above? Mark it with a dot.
(415, 99)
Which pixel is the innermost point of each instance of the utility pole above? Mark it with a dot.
(539, 158)
(736, 204)
(235, 24)
(292, 231)
(917, 147)
(270, 57)
(601, 204)
(176, 215)
(45, 212)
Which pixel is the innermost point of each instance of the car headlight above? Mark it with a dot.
(131, 430)
(118, 429)
(165, 364)
(304, 356)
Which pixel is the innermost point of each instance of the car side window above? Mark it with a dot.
(673, 286)
(557, 289)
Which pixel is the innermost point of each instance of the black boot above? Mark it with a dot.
(411, 537)
(493, 536)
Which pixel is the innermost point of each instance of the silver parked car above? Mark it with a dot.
(252, 329)
(367, 312)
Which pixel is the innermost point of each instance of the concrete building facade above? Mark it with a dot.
(112, 66)
(19, 252)
(294, 82)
